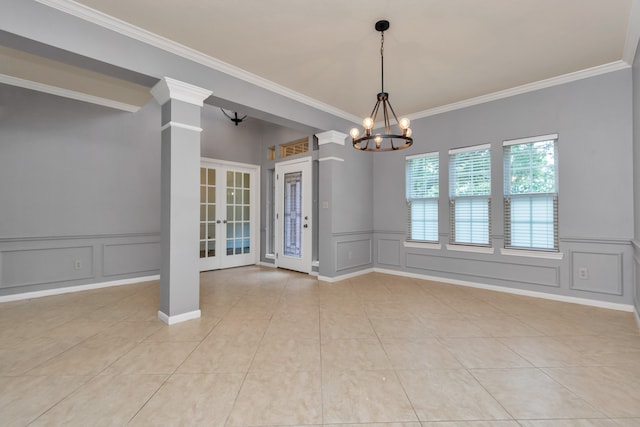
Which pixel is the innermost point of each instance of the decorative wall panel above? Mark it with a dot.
(477, 269)
(131, 258)
(353, 253)
(389, 252)
(596, 272)
(26, 267)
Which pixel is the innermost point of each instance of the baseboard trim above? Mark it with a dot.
(345, 276)
(79, 288)
(535, 294)
(179, 318)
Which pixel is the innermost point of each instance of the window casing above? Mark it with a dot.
(470, 195)
(530, 193)
(422, 191)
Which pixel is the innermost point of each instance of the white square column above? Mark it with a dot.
(180, 203)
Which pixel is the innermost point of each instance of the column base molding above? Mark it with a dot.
(178, 318)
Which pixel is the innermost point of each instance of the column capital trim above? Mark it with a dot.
(181, 126)
(331, 137)
(325, 159)
(168, 88)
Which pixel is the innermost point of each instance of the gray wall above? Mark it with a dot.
(221, 139)
(636, 178)
(79, 192)
(80, 186)
(345, 214)
(593, 120)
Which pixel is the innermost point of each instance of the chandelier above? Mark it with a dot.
(396, 141)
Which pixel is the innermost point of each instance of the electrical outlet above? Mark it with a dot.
(77, 265)
(583, 273)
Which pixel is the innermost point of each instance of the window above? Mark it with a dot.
(292, 148)
(470, 195)
(530, 193)
(422, 197)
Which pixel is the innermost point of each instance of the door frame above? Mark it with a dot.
(255, 189)
(307, 243)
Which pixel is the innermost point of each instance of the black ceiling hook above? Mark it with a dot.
(235, 119)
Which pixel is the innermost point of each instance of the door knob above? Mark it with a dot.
(218, 222)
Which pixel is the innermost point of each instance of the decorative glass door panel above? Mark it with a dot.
(227, 228)
(293, 214)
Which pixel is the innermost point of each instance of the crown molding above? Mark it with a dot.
(102, 19)
(67, 93)
(633, 33)
(519, 90)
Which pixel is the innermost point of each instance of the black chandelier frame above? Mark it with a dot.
(383, 105)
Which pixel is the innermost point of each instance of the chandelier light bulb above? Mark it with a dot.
(404, 123)
(408, 132)
(378, 141)
(354, 133)
(367, 123)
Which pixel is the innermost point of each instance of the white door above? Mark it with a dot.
(228, 215)
(293, 215)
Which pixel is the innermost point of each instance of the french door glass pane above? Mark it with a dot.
(207, 212)
(238, 201)
(293, 214)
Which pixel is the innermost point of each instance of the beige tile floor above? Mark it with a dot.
(276, 348)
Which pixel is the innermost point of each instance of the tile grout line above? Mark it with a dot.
(317, 287)
(395, 372)
(169, 376)
(246, 374)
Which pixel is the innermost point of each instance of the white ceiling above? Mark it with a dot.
(437, 52)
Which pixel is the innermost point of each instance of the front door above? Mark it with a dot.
(228, 220)
(293, 215)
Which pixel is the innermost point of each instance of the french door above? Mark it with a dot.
(293, 215)
(228, 215)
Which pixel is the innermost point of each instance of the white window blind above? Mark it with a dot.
(422, 188)
(530, 191)
(470, 195)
